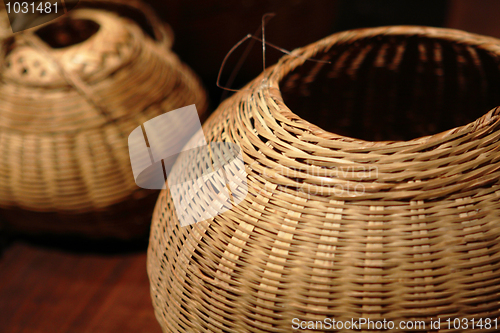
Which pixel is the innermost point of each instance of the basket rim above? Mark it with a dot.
(273, 76)
(163, 33)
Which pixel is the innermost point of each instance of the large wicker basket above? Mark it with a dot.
(71, 92)
(395, 224)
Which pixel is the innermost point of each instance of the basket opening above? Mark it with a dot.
(67, 32)
(137, 15)
(394, 87)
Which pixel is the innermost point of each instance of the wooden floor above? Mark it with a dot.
(45, 290)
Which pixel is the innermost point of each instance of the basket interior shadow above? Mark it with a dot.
(395, 87)
(67, 32)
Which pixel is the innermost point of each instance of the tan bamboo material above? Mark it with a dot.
(4, 22)
(402, 226)
(71, 92)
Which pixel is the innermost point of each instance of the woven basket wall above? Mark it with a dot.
(71, 92)
(398, 223)
(4, 22)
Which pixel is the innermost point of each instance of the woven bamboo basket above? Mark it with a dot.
(356, 208)
(71, 92)
(4, 22)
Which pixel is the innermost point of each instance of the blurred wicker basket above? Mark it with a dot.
(4, 22)
(339, 227)
(71, 92)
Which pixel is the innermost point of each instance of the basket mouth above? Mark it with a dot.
(139, 12)
(391, 84)
(67, 32)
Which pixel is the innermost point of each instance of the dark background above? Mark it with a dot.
(67, 285)
(206, 30)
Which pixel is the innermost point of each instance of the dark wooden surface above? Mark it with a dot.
(45, 290)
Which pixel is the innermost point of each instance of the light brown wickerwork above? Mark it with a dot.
(339, 227)
(4, 22)
(71, 92)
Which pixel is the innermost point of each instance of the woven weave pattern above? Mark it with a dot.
(339, 227)
(70, 94)
(4, 22)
